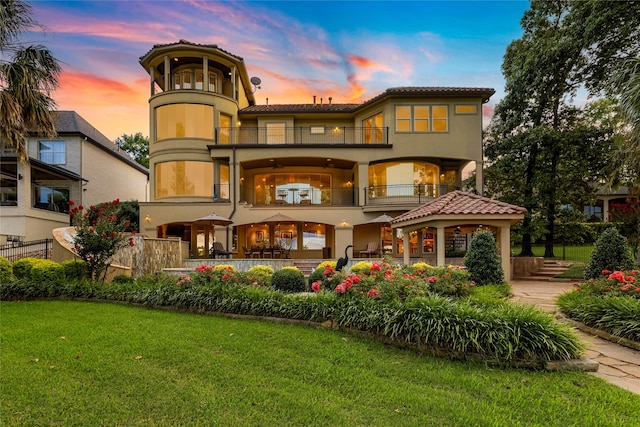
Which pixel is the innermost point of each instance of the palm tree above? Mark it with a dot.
(28, 75)
(627, 85)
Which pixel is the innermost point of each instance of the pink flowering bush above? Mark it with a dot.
(613, 283)
(385, 282)
(206, 274)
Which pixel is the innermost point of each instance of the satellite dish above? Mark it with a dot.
(255, 81)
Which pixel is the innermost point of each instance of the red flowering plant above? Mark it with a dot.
(219, 274)
(386, 283)
(613, 283)
(99, 235)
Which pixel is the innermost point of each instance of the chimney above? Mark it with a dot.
(330, 99)
(314, 100)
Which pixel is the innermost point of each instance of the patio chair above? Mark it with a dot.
(372, 249)
(217, 250)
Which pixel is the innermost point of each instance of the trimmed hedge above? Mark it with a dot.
(6, 270)
(501, 331)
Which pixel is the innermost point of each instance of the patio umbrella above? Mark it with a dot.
(279, 218)
(215, 219)
(385, 221)
(382, 219)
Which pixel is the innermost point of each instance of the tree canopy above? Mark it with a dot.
(137, 146)
(28, 76)
(542, 150)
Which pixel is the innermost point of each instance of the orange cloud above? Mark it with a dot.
(111, 106)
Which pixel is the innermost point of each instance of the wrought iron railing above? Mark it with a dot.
(304, 135)
(305, 196)
(33, 249)
(404, 193)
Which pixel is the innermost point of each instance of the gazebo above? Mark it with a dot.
(457, 209)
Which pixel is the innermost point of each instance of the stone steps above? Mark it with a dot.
(549, 270)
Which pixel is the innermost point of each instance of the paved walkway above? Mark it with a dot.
(619, 365)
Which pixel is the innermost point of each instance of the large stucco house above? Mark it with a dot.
(312, 178)
(80, 165)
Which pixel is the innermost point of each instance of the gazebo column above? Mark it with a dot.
(505, 251)
(406, 244)
(440, 258)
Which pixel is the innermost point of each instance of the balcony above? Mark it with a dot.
(404, 194)
(305, 196)
(302, 135)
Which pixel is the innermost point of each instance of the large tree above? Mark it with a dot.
(137, 146)
(28, 76)
(626, 84)
(537, 135)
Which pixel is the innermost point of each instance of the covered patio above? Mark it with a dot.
(461, 210)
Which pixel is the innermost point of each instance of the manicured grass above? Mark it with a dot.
(72, 363)
(568, 253)
(575, 271)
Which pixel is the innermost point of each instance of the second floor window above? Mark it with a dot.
(422, 118)
(372, 128)
(52, 152)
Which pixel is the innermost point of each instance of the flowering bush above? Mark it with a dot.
(616, 283)
(385, 282)
(99, 235)
(206, 274)
(260, 275)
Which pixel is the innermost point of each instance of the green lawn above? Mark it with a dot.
(90, 364)
(568, 253)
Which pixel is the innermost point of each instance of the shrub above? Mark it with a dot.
(123, 278)
(75, 269)
(46, 271)
(6, 270)
(361, 267)
(611, 252)
(157, 279)
(482, 259)
(22, 267)
(288, 279)
(325, 276)
(260, 275)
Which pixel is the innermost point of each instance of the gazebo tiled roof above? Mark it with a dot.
(460, 203)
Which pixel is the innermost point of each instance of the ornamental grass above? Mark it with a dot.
(610, 303)
(433, 309)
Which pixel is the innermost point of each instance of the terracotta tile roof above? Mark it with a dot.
(485, 93)
(460, 203)
(186, 42)
(301, 108)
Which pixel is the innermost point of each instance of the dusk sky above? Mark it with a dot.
(349, 50)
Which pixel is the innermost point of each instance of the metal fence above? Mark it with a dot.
(561, 251)
(33, 249)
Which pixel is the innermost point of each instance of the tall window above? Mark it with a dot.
(184, 178)
(184, 121)
(225, 128)
(421, 118)
(372, 127)
(275, 133)
(8, 185)
(52, 152)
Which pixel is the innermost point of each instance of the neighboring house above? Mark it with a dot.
(80, 165)
(329, 169)
(601, 209)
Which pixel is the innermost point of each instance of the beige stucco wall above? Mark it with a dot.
(109, 178)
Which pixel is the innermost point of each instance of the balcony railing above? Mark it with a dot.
(305, 196)
(405, 193)
(303, 135)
